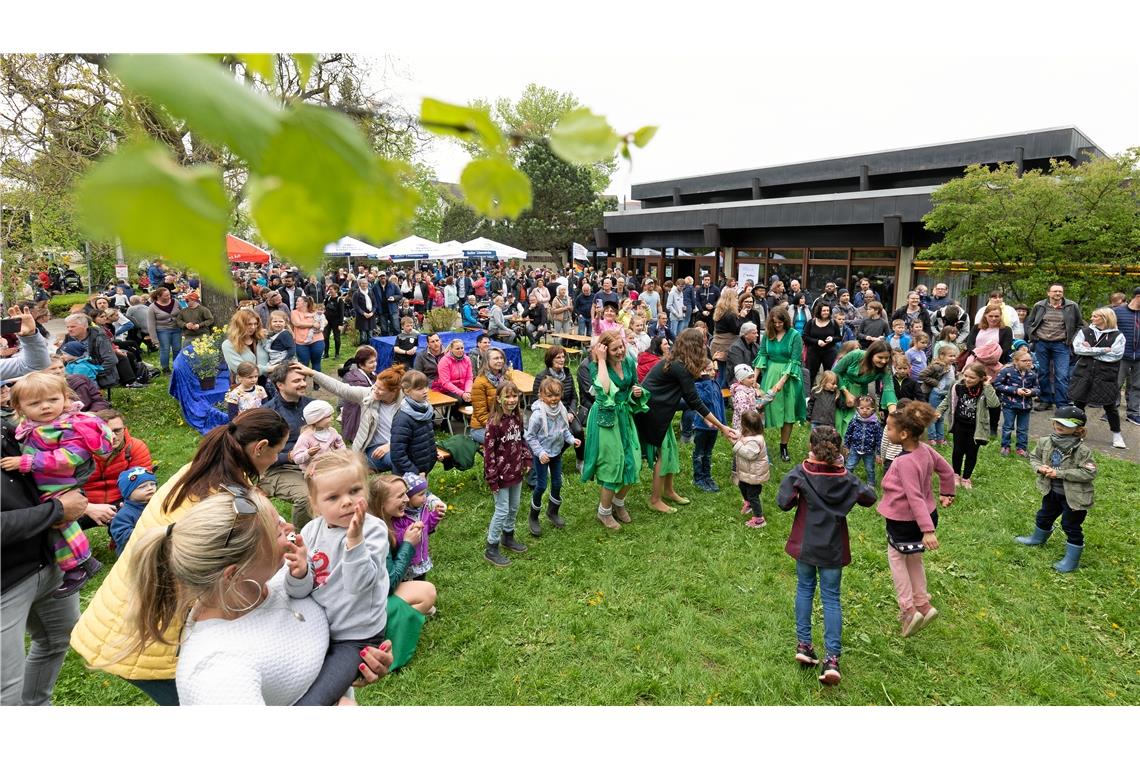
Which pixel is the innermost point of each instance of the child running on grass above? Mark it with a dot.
(59, 446)
(909, 508)
(505, 462)
(345, 572)
(752, 466)
(822, 493)
(1065, 472)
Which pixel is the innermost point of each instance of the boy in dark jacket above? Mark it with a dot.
(822, 493)
(136, 485)
(705, 438)
(412, 439)
(1016, 386)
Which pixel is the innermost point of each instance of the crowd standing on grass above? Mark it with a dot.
(211, 586)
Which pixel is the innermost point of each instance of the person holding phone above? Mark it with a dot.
(33, 353)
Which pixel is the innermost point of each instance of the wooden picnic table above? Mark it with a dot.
(523, 380)
(572, 337)
(435, 398)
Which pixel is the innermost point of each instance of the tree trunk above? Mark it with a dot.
(221, 304)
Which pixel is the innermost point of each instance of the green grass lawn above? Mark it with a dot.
(693, 608)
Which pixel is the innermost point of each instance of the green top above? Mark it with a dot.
(786, 351)
(851, 378)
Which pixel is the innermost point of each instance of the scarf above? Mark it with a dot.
(416, 410)
(550, 415)
(1064, 443)
(496, 380)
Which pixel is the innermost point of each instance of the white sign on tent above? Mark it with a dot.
(482, 247)
(349, 246)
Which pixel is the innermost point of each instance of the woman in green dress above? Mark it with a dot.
(613, 451)
(858, 370)
(780, 359)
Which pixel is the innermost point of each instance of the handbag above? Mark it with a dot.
(906, 547)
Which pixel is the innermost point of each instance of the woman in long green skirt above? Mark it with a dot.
(780, 358)
(613, 451)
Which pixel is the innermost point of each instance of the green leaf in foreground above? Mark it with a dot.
(157, 207)
(206, 96)
(304, 63)
(384, 208)
(260, 64)
(642, 136)
(495, 188)
(468, 124)
(583, 137)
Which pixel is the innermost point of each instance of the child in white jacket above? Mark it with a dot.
(752, 467)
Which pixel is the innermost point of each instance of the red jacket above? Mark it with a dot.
(103, 485)
(645, 362)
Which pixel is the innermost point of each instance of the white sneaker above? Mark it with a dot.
(1118, 441)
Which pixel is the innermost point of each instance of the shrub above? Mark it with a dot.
(62, 304)
(440, 320)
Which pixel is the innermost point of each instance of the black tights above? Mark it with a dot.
(965, 455)
(332, 331)
(1112, 411)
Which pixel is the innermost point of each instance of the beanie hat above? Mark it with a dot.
(131, 479)
(415, 483)
(192, 295)
(742, 371)
(316, 410)
(74, 348)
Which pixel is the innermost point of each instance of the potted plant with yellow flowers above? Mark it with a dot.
(205, 357)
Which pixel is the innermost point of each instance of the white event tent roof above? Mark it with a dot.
(484, 247)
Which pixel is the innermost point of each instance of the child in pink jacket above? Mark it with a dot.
(909, 508)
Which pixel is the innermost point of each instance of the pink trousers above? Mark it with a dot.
(910, 581)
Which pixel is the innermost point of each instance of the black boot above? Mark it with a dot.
(784, 457)
(493, 556)
(532, 521)
(508, 542)
(552, 507)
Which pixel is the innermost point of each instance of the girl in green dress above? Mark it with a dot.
(856, 371)
(613, 451)
(780, 359)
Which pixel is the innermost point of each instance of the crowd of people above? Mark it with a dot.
(343, 581)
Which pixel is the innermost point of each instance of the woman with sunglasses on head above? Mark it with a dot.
(232, 456)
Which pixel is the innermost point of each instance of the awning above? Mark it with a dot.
(350, 246)
(485, 248)
(243, 252)
(413, 248)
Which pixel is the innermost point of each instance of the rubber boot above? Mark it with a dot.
(494, 556)
(784, 456)
(1039, 537)
(552, 507)
(508, 542)
(1072, 559)
(532, 521)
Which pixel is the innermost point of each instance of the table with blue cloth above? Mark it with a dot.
(384, 346)
(198, 406)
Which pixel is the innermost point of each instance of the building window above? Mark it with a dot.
(840, 255)
(821, 274)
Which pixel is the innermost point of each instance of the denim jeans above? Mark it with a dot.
(688, 423)
(506, 510)
(168, 341)
(937, 430)
(478, 435)
(310, 354)
(868, 460)
(703, 445)
(554, 468)
(27, 608)
(829, 579)
(677, 325)
(583, 326)
(383, 464)
(1055, 388)
(1020, 418)
(163, 692)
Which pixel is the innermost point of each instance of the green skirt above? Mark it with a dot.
(670, 462)
(789, 405)
(404, 625)
(612, 453)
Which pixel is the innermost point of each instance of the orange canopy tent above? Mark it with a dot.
(240, 251)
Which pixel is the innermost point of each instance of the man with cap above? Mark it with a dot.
(1128, 322)
(318, 435)
(744, 349)
(137, 485)
(1065, 471)
(195, 320)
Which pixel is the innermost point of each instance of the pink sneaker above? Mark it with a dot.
(1022, 453)
(756, 522)
(745, 509)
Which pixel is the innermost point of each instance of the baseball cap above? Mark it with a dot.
(1070, 417)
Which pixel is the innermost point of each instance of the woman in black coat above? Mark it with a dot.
(334, 313)
(668, 383)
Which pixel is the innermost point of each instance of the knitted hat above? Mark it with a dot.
(74, 348)
(316, 410)
(742, 371)
(131, 479)
(193, 296)
(415, 483)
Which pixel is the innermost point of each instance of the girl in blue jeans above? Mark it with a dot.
(547, 434)
(822, 492)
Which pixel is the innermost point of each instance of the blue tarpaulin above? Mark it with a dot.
(384, 347)
(198, 405)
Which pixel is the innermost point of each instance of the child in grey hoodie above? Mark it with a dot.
(547, 434)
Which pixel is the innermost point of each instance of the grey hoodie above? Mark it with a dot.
(547, 430)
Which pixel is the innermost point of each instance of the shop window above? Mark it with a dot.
(821, 274)
(882, 282)
(840, 255)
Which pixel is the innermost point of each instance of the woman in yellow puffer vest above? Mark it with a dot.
(238, 453)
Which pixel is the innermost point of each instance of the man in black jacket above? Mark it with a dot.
(707, 295)
(290, 291)
(583, 306)
(28, 578)
(284, 479)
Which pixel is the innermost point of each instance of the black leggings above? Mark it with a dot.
(1112, 411)
(332, 331)
(965, 455)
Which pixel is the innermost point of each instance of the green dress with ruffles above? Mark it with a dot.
(849, 371)
(777, 358)
(613, 451)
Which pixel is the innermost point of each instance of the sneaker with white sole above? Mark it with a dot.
(805, 655)
(1118, 441)
(829, 671)
(927, 616)
(911, 624)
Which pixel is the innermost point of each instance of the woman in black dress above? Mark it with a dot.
(670, 381)
(334, 313)
(821, 341)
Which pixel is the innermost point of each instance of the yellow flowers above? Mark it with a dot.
(596, 598)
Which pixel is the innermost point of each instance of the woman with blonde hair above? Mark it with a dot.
(670, 381)
(245, 342)
(1099, 348)
(726, 327)
(613, 450)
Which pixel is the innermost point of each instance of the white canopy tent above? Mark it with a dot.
(349, 246)
(414, 248)
(482, 247)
